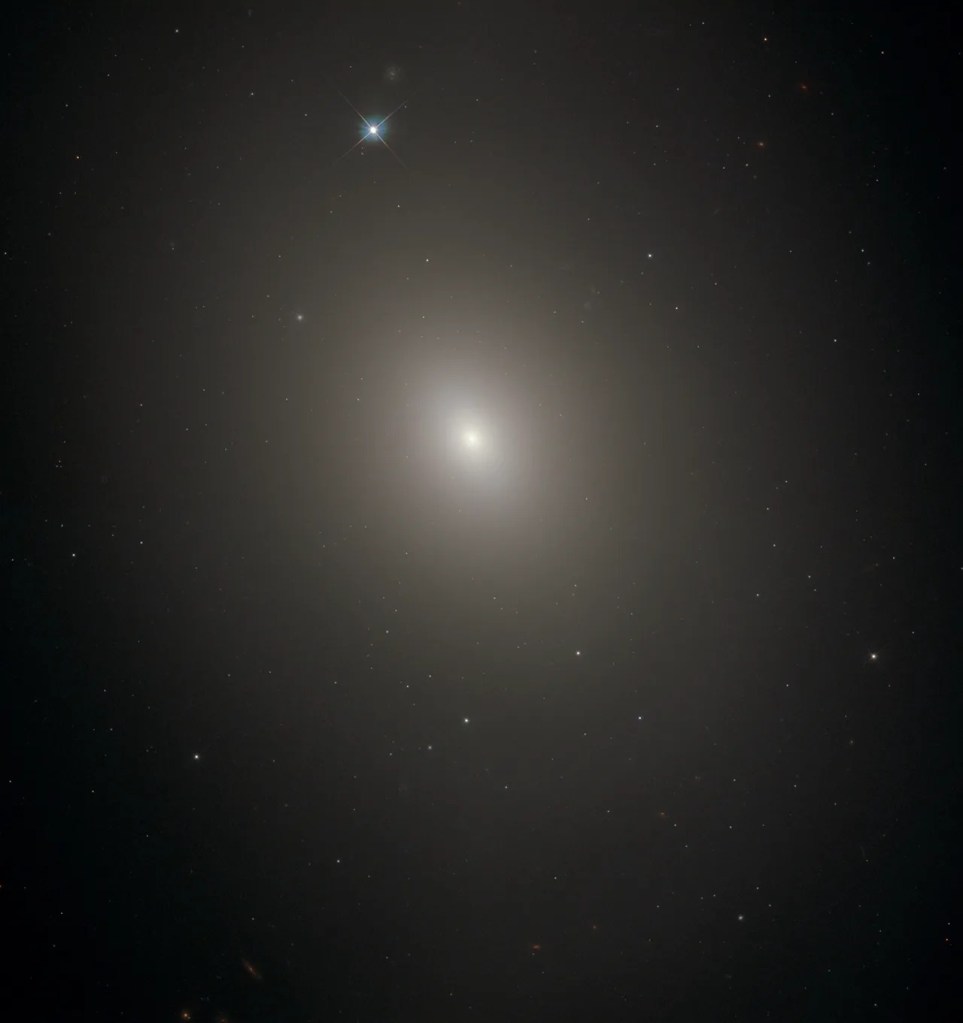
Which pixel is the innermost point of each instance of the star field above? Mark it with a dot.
(479, 514)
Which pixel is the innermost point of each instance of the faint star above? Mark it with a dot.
(874, 657)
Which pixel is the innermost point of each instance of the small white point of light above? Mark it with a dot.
(372, 129)
(466, 720)
(578, 653)
(874, 657)
(197, 756)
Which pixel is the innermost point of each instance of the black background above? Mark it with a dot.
(650, 713)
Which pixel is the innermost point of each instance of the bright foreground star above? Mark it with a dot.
(372, 130)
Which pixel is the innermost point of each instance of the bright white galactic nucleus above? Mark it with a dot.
(472, 439)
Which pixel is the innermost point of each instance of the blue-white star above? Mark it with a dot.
(372, 129)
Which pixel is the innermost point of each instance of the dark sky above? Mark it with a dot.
(506, 568)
